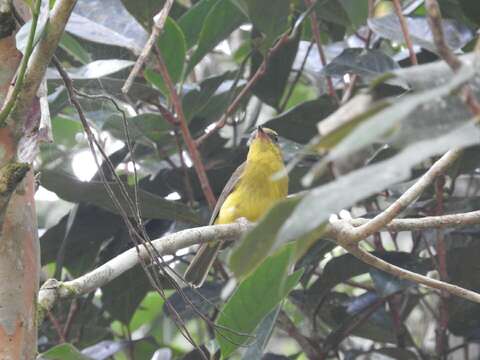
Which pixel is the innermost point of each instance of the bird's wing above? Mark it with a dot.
(232, 182)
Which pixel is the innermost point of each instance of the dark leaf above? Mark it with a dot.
(122, 295)
(192, 21)
(300, 123)
(271, 85)
(204, 299)
(151, 206)
(91, 227)
(368, 64)
(457, 35)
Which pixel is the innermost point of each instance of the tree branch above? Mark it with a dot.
(52, 290)
(181, 121)
(385, 217)
(435, 22)
(41, 56)
(159, 23)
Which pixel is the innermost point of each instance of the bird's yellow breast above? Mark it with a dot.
(255, 192)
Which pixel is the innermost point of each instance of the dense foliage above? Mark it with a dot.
(331, 305)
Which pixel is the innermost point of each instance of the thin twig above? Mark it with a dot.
(159, 23)
(435, 22)
(406, 35)
(380, 264)
(441, 331)
(187, 136)
(11, 98)
(246, 89)
(385, 217)
(323, 59)
(308, 346)
(298, 75)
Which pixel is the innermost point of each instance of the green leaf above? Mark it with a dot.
(456, 36)
(270, 20)
(74, 48)
(151, 206)
(65, 131)
(357, 11)
(198, 98)
(145, 128)
(300, 123)
(254, 298)
(383, 122)
(192, 21)
(258, 243)
(271, 86)
(93, 70)
(222, 19)
(332, 11)
(368, 64)
(63, 352)
(91, 228)
(147, 311)
(122, 296)
(173, 49)
(262, 336)
(316, 207)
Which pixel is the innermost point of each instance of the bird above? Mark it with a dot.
(251, 191)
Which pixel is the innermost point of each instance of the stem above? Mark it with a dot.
(187, 136)
(323, 59)
(8, 106)
(403, 24)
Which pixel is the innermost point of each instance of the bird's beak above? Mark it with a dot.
(260, 133)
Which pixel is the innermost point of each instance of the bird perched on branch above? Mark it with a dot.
(249, 194)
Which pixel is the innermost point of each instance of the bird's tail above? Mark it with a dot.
(197, 271)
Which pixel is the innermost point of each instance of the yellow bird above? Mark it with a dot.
(249, 194)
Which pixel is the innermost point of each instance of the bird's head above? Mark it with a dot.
(263, 143)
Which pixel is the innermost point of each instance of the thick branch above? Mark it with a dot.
(380, 264)
(385, 217)
(53, 290)
(41, 56)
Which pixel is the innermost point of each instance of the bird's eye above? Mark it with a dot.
(274, 138)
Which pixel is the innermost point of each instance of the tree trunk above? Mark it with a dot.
(19, 249)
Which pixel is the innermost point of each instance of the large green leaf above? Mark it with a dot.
(222, 19)
(171, 44)
(255, 297)
(317, 206)
(270, 20)
(151, 206)
(64, 352)
(411, 108)
(145, 128)
(262, 336)
(258, 243)
(192, 21)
